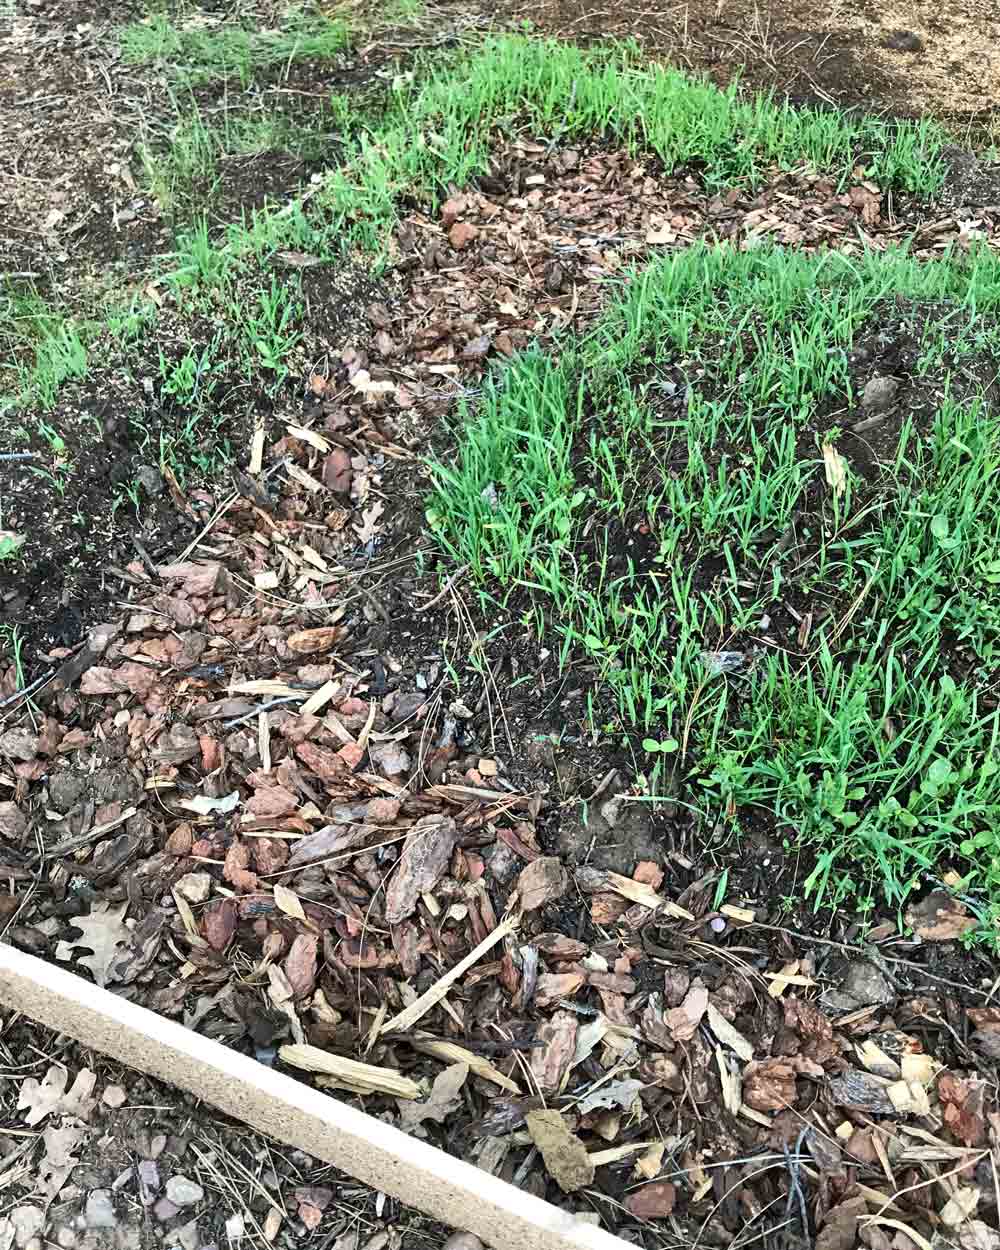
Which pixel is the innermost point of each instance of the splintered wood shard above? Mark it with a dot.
(373, 1152)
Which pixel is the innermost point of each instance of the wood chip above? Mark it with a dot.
(451, 1052)
(268, 580)
(359, 1078)
(320, 698)
(743, 915)
(312, 437)
(728, 1035)
(303, 478)
(408, 1017)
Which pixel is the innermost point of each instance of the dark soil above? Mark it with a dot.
(142, 1133)
(909, 59)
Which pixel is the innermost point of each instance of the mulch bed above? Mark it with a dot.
(256, 801)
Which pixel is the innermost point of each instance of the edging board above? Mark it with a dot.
(420, 1175)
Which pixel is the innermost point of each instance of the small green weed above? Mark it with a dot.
(201, 50)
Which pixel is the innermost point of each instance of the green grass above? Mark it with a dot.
(40, 346)
(199, 51)
(694, 421)
(438, 128)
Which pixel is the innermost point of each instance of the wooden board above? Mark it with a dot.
(375, 1153)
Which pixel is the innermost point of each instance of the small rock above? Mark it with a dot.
(186, 1236)
(165, 1210)
(100, 1211)
(904, 41)
(879, 393)
(183, 1191)
(157, 1145)
(27, 1221)
(194, 886)
(65, 1237)
(150, 480)
(113, 1096)
(864, 986)
(149, 1181)
(235, 1227)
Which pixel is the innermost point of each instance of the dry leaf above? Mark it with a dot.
(425, 856)
(836, 469)
(565, 1156)
(105, 935)
(615, 1094)
(444, 1098)
(648, 1165)
(288, 902)
(939, 918)
(50, 1096)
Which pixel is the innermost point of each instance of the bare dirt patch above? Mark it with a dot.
(908, 58)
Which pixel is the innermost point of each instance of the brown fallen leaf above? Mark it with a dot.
(444, 1098)
(654, 1201)
(541, 882)
(564, 1155)
(939, 918)
(425, 856)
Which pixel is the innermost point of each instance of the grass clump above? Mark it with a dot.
(200, 51)
(41, 347)
(796, 622)
(437, 129)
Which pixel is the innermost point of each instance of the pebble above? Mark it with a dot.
(100, 1210)
(194, 886)
(157, 1145)
(235, 1227)
(187, 1236)
(183, 1191)
(65, 1237)
(879, 393)
(121, 1180)
(149, 1176)
(27, 1221)
(165, 1210)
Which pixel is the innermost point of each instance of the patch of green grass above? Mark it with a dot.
(201, 50)
(678, 480)
(438, 127)
(41, 347)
